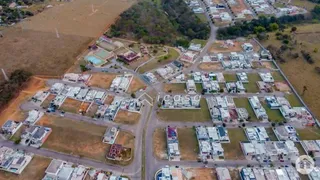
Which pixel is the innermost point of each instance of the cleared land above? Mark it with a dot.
(126, 140)
(47, 101)
(299, 72)
(230, 77)
(188, 144)
(175, 87)
(126, 117)
(101, 80)
(136, 84)
(70, 105)
(309, 133)
(49, 43)
(271, 134)
(186, 115)
(252, 86)
(159, 144)
(35, 170)
(233, 150)
(203, 173)
(75, 137)
(210, 66)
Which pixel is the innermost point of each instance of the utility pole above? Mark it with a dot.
(4, 74)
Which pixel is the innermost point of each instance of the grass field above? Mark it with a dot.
(47, 101)
(202, 17)
(161, 61)
(271, 134)
(252, 86)
(230, 77)
(299, 72)
(304, 3)
(200, 41)
(175, 87)
(101, 80)
(244, 103)
(293, 100)
(274, 115)
(233, 150)
(186, 115)
(188, 144)
(126, 117)
(309, 133)
(70, 105)
(35, 170)
(159, 143)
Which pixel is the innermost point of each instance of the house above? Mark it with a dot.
(210, 86)
(110, 135)
(225, 16)
(284, 133)
(56, 88)
(272, 102)
(173, 144)
(282, 174)
(247, 174)
(173, 172)
(235, 87)
(223, 173)
(121, 83)
(258, 109)
(189, 56)
(315, 174)
(33, 117)
(10, 127)
(264, 87)
(247, 47)
(14, 161)
(311, 147)
(195, 47)
(257, 134)
(35, 136)
(242, 113)
(266, 77)
(287, 112)
(129, 56)
(40, 96)
(191, 87)
(242, 77)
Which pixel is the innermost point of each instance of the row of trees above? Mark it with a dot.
(9, 88)
(258, 26)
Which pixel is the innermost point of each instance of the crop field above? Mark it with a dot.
(48, 43)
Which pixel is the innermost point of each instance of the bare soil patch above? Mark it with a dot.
(203, 173)
(188, 144)
(109, 99)
(282, 86)
(159, 144)
(47, 101)
(35, 170)
(210, 66)
(136, 84)
(70, 105)
(101, 80)
(175, 87)
(126, 117)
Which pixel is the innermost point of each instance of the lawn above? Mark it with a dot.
(199, 87)
(188, 144)
(230, 77)
(159, 143)
(274, 115)
(293, 100)
(161, 61)
(186, 115)
(233, 150)
(252, 86)
(271, 134)
(200, 41)
(300, 148)
(34, 170)
(309, 133)
(244, 103)
(277, 76)
(175, 87)
(126, 117)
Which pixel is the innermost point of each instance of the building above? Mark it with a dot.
(33, 117)
(282, 174)
(272, 102)
(35, 136)
(264, 87)
(247, 47)
(76, 78)
(195, 47)
(56, 88)
(211, 86)
(110, 135)
(235, 87)
(14, 161)
(173, 173)
(284, 133)
(258, 109)
(121, 83)
(10, 127)
(315, 174)
(223, 173)
(257, 134)
(173, 144)
(311, 147)
(189, 56)
(247, 174)
(242, 77)
(181, 102)
(61, 170)
(266, 77)
(191, 87)
(129, 56)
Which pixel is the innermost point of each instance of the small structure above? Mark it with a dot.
(242, 77)
(121, 83)
(129, 56)
(35, 136)
(258, 109)
(33, 117)
(110, 135)
(311, 147)
(284, 133)
(10, 127)
(257, 134)
(173, 144)
(223, 173)
(56, 88)
(191, 87)
(76, 78)
(266, 77)
(195, 47)
(14, 161)
(189, 56)
(264, 87)
(173, 173)
(247, 47)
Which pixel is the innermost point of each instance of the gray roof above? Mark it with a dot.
(39, 133)
(54, 166)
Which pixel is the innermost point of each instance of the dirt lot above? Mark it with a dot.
(126, 117)
(75, 137)
(188, 144)
(136, 84)
(203, 173)
(210, 66)
(101, 80)
(299, 72)
(12, 111)
(109, 99)
(175, 87)
(282, 86)
(49, 42)
(92, 110)
(126, 140)
(159, 144)
(70, 105)
(233, 150)
(47, 101)
(34, 171)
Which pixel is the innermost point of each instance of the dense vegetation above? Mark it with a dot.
(13, 15)
(168, 22)
(9, 88)
(258, 26)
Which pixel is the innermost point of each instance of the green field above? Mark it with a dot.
(244, 103)
(230, 77)
(252, 86)
(309, 133)
(233, 150)
(274, 115)
(199, 41)
(293, 100)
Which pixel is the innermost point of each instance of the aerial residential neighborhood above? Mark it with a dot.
(159, 90)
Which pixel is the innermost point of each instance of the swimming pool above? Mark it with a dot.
(94, 60)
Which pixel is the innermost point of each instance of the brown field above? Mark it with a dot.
(299, 72)
(109, 99)
(233, 150)
(75, 137)
(92, 110)
(126, 140)
(282, 86)
(70, 105)
(44, 52)
(210, 66)
(136, 84)
(217, 47)
(159, 144)
(126, 117)
(101, 80)
(188, 144)
(175, 87)
(47, 101)
(203, 173)
(34, 171)
(12, 111)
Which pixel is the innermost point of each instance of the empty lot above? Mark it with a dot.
(49, 42)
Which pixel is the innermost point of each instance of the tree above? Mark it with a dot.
(274, 26)
(315, 50)
(259, 29)
(304, 90)
(133, 95)
(83, 68)
(293, 29)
